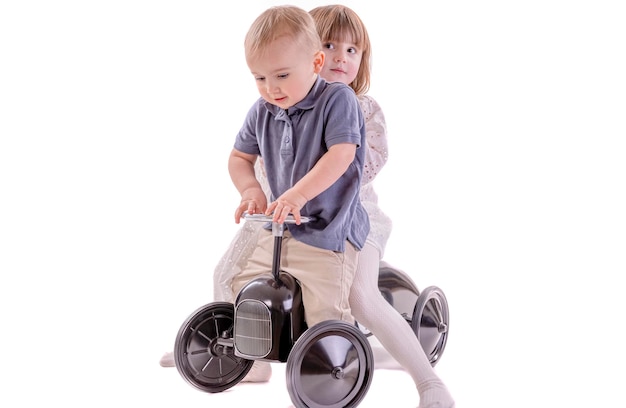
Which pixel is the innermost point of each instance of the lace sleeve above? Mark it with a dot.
(376, 132)
(259, 171)
(375, 160)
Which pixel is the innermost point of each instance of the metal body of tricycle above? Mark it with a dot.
(329, 365)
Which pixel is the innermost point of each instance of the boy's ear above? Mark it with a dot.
(318, 61)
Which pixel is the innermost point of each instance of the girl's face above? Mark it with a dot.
(342, 61)
(285, 73)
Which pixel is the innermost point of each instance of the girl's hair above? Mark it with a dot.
(340, 23)
(281, 21)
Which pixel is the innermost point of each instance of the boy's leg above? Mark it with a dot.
(325, 277)
(259, 263)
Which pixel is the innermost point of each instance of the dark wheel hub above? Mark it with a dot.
(338, 373)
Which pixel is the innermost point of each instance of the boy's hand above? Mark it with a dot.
(253, 201)
(289, 203)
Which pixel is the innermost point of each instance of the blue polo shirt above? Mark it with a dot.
(291, 142)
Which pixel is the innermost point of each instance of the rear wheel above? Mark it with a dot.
(431, 322)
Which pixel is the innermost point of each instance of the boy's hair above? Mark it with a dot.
(340, 23)
(281, 21)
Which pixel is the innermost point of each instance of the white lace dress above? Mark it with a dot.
(242, 245)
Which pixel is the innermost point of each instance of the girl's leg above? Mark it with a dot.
(371, 309)
(234, 261)
(228, 280)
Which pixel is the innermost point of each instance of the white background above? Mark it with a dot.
(505, 184)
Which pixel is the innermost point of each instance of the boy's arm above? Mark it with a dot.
(332, 165)
(241, 170)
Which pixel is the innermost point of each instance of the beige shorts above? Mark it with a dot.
(325, 276)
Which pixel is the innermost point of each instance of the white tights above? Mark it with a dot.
(371, 309)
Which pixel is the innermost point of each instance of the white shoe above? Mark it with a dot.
(261, 371)
(167, 360)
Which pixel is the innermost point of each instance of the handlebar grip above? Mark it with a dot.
(268, 218)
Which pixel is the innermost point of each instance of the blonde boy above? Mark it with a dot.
(310, 134)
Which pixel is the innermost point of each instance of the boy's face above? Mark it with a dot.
(285, 72)
(343, 60)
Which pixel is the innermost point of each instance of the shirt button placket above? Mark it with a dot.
(286, 147)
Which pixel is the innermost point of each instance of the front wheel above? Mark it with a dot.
(330, 366)
(203, 350)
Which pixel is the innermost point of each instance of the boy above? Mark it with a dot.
(310, 134)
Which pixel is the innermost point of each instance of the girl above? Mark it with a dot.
(348, 57)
